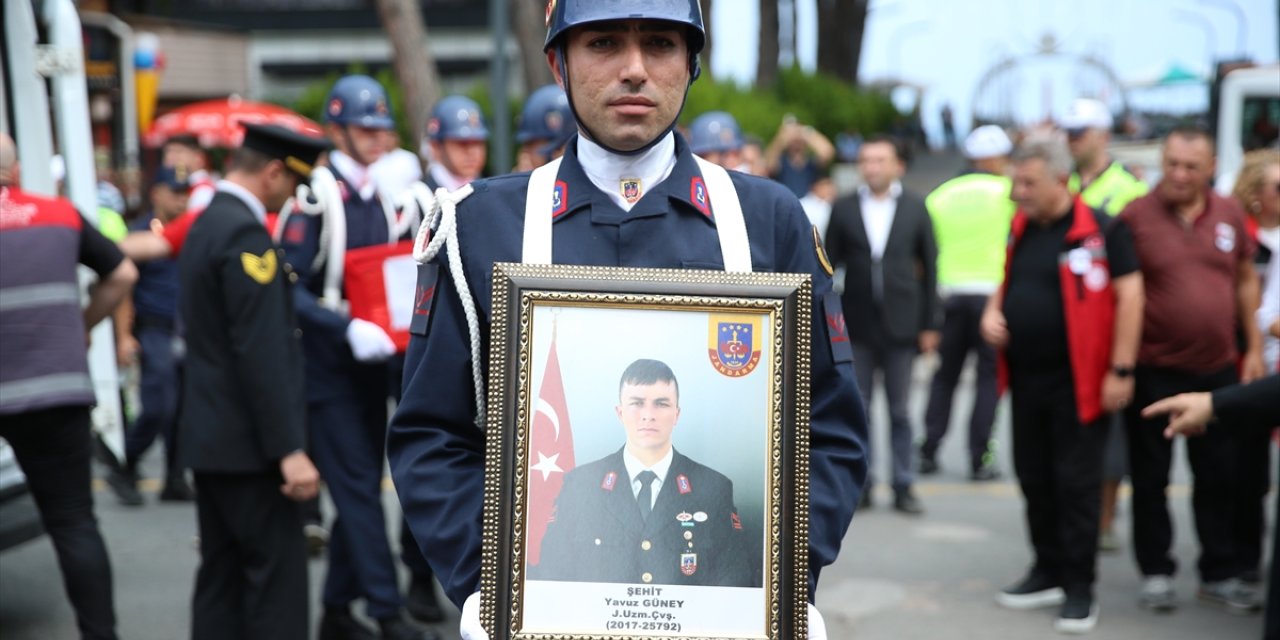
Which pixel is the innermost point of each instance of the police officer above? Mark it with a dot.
(347, 371)
(155, 327)
(627, 192)
(1103, 182)
(1106, 185)
(456, 137)
(242, 429)
(546, 123)
(716, 137)
(647, 513)
(971, 215)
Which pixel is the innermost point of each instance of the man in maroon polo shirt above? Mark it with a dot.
(1197, 266)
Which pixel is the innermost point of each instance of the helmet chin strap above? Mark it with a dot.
(590, 135)
(352, 150)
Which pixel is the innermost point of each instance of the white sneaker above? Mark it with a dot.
(1079, 615)
(1157, 593)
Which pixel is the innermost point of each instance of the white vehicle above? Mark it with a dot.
(1248, 118)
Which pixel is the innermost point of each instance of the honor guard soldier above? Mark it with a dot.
(546, 124)
(241, 430)
(347, 370)
(716, 137)
(627, 192)
(456, 137)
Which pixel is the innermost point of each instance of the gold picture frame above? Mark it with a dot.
(705, 366)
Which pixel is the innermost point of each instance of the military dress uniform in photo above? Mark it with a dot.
(436, 450)
(243, 412)
(692, 536)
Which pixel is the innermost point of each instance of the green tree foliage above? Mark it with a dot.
(828, 104)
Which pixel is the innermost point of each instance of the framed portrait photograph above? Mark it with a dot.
(647, 454)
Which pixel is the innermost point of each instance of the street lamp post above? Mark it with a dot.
(901, 36)
(1238, 14)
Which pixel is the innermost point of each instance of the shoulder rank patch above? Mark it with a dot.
(698, 195)
(822, 253)
(261, 268)
(682, 483)
(837, 330)
(735, 520)
(559, 199)
(610, 481)
(423, 295)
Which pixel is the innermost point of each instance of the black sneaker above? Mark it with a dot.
(1032, 592)
(985, 473)
(868, 499)
(339, 624)
(421, 602)
(395, 628)
(928, 465)
(177, 489)
(1079, 614)
(904, 501)
(125, 485)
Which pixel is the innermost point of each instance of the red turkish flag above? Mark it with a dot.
(550, 453)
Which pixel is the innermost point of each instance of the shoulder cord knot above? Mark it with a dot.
(440, 211)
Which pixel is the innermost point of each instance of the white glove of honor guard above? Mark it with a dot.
(369, 343)
(469, 626)
(817, 626)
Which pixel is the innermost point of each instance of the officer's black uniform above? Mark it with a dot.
(692, 537)
(244, 411)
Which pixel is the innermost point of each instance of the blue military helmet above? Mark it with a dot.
(546, 116)
(714, 132)
(457, 118)
(567, 14)
(358, 100)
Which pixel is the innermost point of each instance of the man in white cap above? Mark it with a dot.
(1102, 182)
(971, 215)
(1106, 185)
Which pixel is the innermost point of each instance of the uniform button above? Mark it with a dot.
(293, 277)
(297, 333)
(647, 577)
(646, 545)
(597, 542)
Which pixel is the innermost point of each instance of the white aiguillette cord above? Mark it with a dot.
(441, 211)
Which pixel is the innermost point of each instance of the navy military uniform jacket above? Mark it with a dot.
(437, 452)
(329, 359)
(243, 405)
(692, 537)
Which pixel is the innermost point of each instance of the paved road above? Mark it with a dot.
(898, 578)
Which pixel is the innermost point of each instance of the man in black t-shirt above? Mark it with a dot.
(1067, 320)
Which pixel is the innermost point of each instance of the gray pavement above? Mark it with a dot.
(898, 577)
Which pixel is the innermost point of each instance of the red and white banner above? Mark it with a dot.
(550, 453)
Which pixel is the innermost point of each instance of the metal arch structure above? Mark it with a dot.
(1049, 48)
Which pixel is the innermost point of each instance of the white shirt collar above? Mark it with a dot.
(607, 170)
(634, 467)
(445, 177)
(895, 191)
(255, 205)
(355, 172)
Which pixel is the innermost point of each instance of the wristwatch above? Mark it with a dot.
(1122, 372)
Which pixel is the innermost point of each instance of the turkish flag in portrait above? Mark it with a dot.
(550, 453)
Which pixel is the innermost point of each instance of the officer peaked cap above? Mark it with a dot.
(298, 151)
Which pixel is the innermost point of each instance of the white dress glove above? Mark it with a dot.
(369, 343)
(817, 626)
(469, 625)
